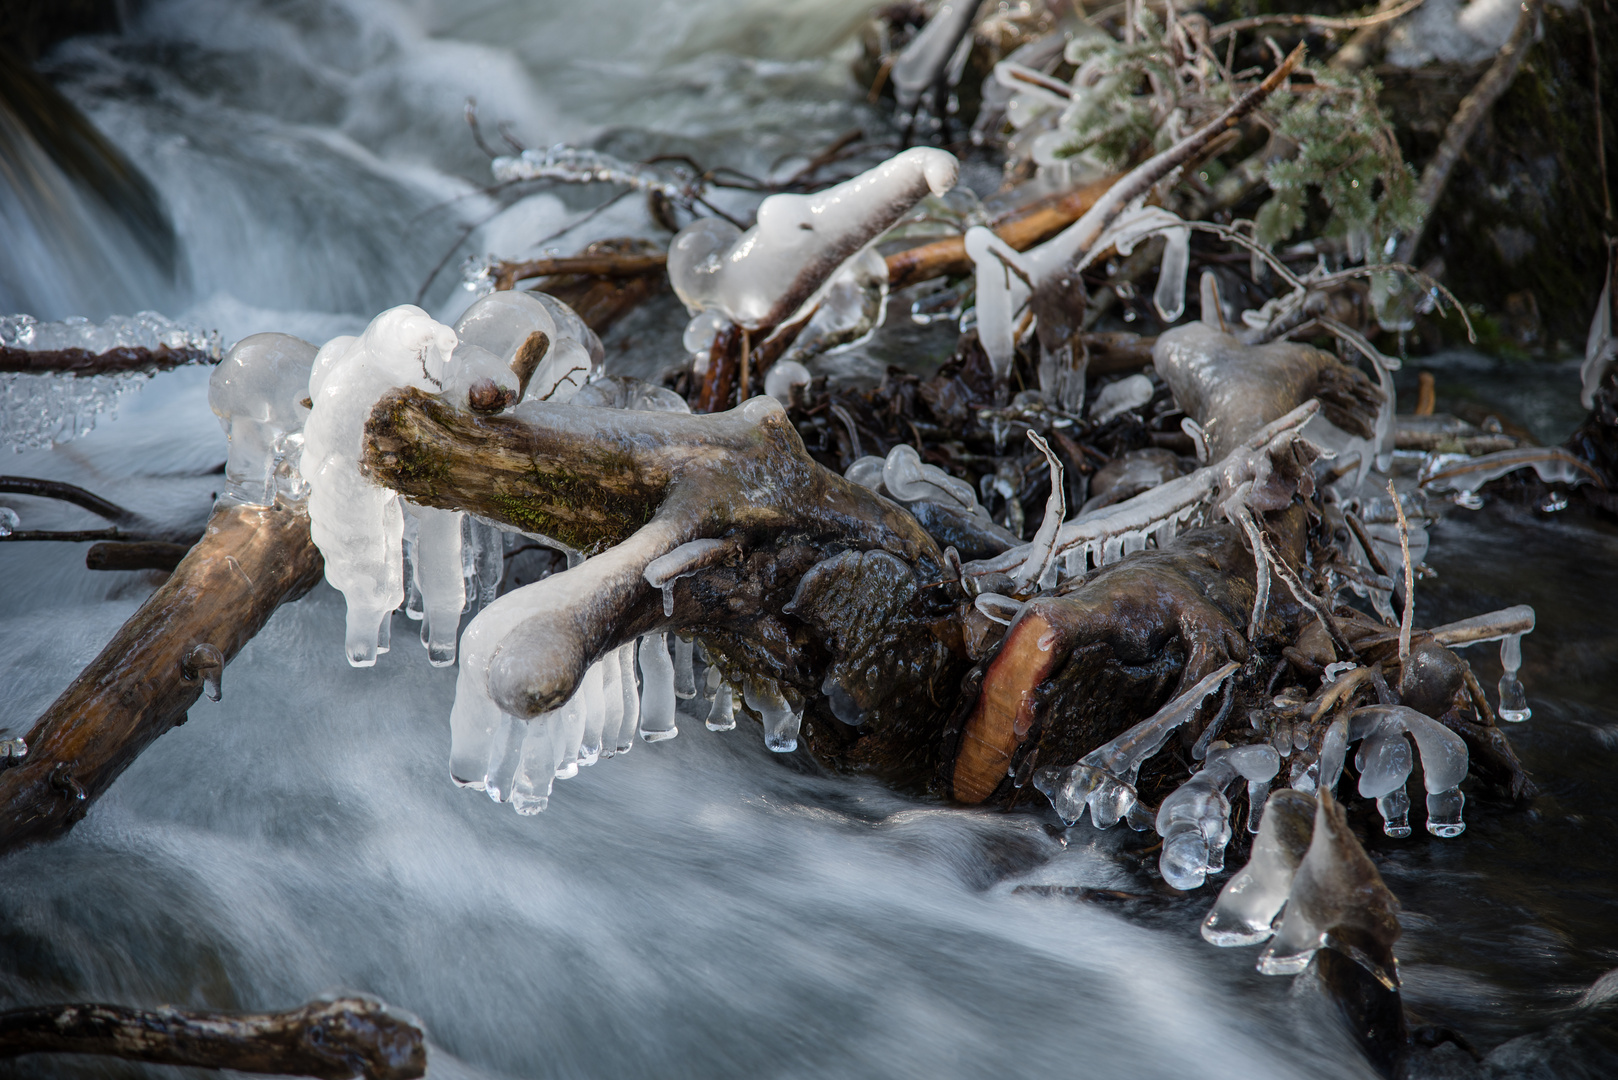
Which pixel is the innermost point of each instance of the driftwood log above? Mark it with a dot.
(332, 1040)
(248, 562)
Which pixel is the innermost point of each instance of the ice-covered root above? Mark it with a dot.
(1384, 762)
(358, 524)
(780, 718)
(760, 278)
(1337, 899)
(658, 703)
(1104, 779)
(1193, 594)
(1194, 821)
(526, 346)
(1232, 389)
(1250, 902)
(257, 392)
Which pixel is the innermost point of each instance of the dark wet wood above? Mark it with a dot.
(249, 561)
(84, 362)
(332, 1040)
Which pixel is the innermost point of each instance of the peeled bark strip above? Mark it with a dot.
(249, 561)
(332, 1040)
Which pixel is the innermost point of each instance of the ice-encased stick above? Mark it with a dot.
(657, 705)
(909, 479)
(1248, 905)
(781, 721)
(1040, 568)
(438, 574)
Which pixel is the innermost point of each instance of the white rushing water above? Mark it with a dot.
(701, 908)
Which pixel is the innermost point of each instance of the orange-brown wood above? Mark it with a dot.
(1005, 710)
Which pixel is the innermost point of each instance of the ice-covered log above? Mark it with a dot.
(332, 1040)
(250, 560)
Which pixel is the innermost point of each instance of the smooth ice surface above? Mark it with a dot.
(1119, 397)
(907, 478)
(924, 60)
(1250, 902)
(1194, 821)
(781, 720)
(657, 703)
(762, 276)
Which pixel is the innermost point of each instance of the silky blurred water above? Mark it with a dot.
(700, 907)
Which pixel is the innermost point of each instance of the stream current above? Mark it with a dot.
(700, 907)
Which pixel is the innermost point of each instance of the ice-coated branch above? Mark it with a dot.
(250, 560)
(331, 1040)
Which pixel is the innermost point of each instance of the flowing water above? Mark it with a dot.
(701, 907)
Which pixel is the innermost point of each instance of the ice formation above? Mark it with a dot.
(937, 53)
(575, 165)
(358, 525)
(761, 277)
(1251, 901)
(1117, 398)
(1462, 476)
(1384, 763)
(44, 410)
(1104, 779)
(257, 392)
(1194, 821)
(783, 378)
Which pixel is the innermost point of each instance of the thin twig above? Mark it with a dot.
(1410, 578)
(1601, 138)
(1315, 22)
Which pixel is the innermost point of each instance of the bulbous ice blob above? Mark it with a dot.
(780, 265)
(781, 720)
(1194, 821)
(501, 321)
(1118, 398)
(621, 392)
(722, 715)
(357, 524)
(475, 715)
(867, 472)
(782, 377)
(257, 392)
(1248, 905)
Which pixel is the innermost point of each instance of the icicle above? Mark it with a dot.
(505, 754)
(536, 773)
(612, 702)
(570, 734)
(685, 675)
(438, 574)
(1513, 698)
(631, 695)
(593, 692)
(722, 717)
(1169, 299)
(1248, 905)
(1194, 821)
(781, 722)
(657, 714)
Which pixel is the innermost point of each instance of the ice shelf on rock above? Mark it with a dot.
(257, 392)
(1104, 779)
(38, 411)
(1251, 901)
(1194, 821)
(1385, 763)
(1336, 887)
(359, 525)
(762, 277)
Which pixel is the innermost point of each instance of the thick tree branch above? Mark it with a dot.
(332, 1040)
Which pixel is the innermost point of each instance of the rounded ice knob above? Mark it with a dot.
(257, 392)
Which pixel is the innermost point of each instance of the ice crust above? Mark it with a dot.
(761, 277)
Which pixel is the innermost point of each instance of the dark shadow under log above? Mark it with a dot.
(332, 1040)
(249, 561)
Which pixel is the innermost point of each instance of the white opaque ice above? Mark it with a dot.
(1119, 397)
(657, 703)
(257, 392)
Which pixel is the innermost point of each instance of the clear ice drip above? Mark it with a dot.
(1194, 821)
(657, 705)
(475, 716)
(207, 663)
(612, 701)
(763, 276)
(722, 716)
(358, 525)
(574, 165)
(1104, 779)
(593, 691)
(781, 721)
(1117, 398)
(257, 392)
(536, 769)
(685, 560)
(1002, 609)
(908, 479)
(1513, 698)
(685, 672)
(1248, 905)
(1385, 764)
(922, 62)
(439, 575)
(630, 724)
(1335, 887)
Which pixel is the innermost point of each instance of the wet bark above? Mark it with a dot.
(332, 1040)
